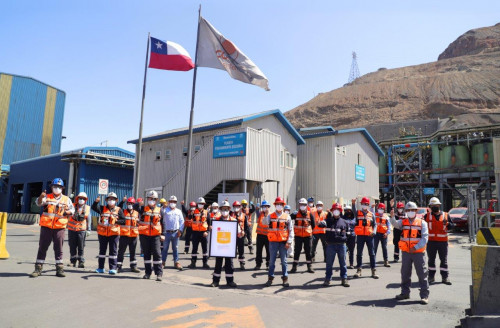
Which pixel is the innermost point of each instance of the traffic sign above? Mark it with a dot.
(103, 186)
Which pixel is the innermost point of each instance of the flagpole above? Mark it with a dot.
(139, 149)
(190, 139)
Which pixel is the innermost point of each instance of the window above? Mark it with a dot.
(157, 155)
(197, 148)
(287, 159)
(359, 159)
(282, 161)
(291, 161)
(168, 154)
(185, 151)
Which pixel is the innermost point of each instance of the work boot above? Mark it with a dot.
(269, 281)
(38, 271)
(193, 264)
(73, 264)
(119, 269)
(250, 248)
(294, 268)
(134, 269)
(257, 267)
(431, 279)
(205, 265)
(158, 278)
(163, 265)
(242, 266)
(214, 284)
(186, 250)
(146, 276)
(401, 297)
(285, 282)
(326, 283)
(310, 268)
(446, 281)
(374, 274)
(350, 266)
(60, 271)
(232, 284)
(178, 266)
(81, 264)
(358, 273)
(424, 301)
(386, 264)
(345, 283)
(396, 259)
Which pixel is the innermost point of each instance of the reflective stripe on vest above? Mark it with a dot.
(106, 225)
(261, 228)
(199, 222)
(302, 226)
(318, 217)
(130, 228)
(278, 228)
(437, 228)
(74, 225)
(364, 230)
(53, 215)
(381, 223)
(150, 225)
(411, 235)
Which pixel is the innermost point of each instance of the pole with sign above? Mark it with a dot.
(103, 186)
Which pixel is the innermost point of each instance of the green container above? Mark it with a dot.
(482, 154)
(454, 157)
(435, 156)
(382, 169)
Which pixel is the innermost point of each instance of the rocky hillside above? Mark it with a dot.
(464, 80)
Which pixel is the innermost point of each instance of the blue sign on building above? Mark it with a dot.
(429, 191)
(230, 145)
(359, 172)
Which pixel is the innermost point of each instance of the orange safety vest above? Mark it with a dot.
(199, 222)
(150, 225)
(381, 223)
(302, 227)
(248, 215)
(318, 217)
(74, 225)
(261, 228)
(278, 228)
(130, 228)
(364, 227)
(215, 216)
(241, 220)
(438, 230)
(106, 226)
(411, 235)
(53, 214)
(188, 221)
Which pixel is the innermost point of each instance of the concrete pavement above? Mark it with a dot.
(183, 299)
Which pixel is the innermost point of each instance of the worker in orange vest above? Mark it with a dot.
(108, 231)
(383, 231)
(200, 225)
(399, 214)
(53, 220)
(365, 229)
(77, 229)
(280, 235)
(150, 235)
(412, 243)
(188, 219)
(239, 215)
(438, 240)
(319, 233)
(248, 213)
(262, 240)
(303, 228)
(129, 230)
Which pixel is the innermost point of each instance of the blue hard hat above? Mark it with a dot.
(57, 182)
(287, 207)
(310, 200)
(265, 203)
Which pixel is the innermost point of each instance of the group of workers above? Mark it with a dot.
(279, 232)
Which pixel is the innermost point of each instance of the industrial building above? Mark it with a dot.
(254, 154)
(80, 170)
(338, 165)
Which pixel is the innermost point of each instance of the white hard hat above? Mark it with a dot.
(319, 203)
(302, 201)
(152, 194)
(201, 200)
(82, 195)
(434, 201)
(172, 199)
(347, 207)
(225, 204)
(214, 204)
(411, 206)
(111, 195)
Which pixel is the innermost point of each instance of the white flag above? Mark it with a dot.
(215, 51)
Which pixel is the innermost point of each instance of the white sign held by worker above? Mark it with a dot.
(103, 186)
(223, 239)
(231, 198)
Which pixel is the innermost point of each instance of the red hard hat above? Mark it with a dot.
(365, 200)
(400, 205)
(336, 206)
(279, 200)
(381, 205)
(139, 200)
(192, 204)
(236, 203)
(131, 200)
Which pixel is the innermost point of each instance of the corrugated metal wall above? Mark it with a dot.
(34, 113)
(263, 152)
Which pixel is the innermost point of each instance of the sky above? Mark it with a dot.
(95, 52)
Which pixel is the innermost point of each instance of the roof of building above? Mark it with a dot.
(323, 131)
(30, 78)
(234, 121)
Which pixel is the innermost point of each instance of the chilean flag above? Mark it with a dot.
(169, 56)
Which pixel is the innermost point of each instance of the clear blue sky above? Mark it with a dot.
(95, 52)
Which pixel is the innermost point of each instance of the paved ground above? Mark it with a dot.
(182, 299)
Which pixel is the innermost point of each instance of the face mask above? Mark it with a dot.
(400, 210)
(192, 208)
(310, 204)
(151, 202)
(172, 205)
(380, 211)
(336, 213)
(111, 202)
(130, 207)
(279, 208)
(287, 212)
(200, 206)
(303, 207)
(81, 201)
(225, 213)
(57, 190)
(364, 207)
(411, 215)
(237, 209)
(320, 209)
(435, 209)
(265, 209)
(215, 210)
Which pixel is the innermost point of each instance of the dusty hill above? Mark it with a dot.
(465, 80)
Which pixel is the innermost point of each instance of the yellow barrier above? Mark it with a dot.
(488, 236)
(3, 238)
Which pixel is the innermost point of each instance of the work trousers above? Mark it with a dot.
(240, 244)
(76, 241)
(187, 239)
(262, 241)
(438, 248)
(331, 251)
(131, 243)
(361, 241)
(274, 248)
(379, 238)
(248, 236)
(151, 247)
(299, 241)
(395, 239)
(48, 236)
(418, 260)
(316, 239)
(228, 269)
(104, 241)
(351, 244)
(197, 238)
